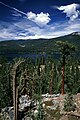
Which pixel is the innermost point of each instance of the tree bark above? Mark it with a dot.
(51, 81)
(14, 94)
(63, 69)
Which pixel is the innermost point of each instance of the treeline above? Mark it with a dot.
(36, 46)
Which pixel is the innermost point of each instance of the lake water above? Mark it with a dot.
(34, 56)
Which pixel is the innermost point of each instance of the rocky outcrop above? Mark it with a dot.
(53, 106)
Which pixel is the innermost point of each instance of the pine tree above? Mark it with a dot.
(65, 48)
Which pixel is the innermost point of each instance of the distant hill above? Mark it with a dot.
(37, 45)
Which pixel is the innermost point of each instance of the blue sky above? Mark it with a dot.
(33, 19)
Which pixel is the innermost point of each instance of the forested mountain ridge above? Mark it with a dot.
(37, 45)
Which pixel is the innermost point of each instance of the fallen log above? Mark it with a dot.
(71, 113)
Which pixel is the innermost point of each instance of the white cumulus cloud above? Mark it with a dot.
(41, 19)
(71, 11)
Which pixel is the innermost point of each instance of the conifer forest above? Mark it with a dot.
(28, 86)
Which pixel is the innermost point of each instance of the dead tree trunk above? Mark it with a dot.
(52, 77)
(63, 75)
(63, 68)
(33, 85)
(15, 89)
(14, 94)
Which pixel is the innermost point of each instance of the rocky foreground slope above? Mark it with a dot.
(52, 108)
